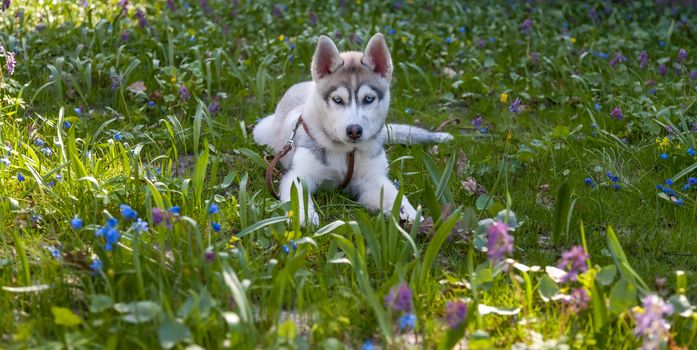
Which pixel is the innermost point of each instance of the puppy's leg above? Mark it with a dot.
(304, 168)
(371, 190)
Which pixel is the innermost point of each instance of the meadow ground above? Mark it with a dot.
(133, 213)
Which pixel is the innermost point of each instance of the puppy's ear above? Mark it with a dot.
(326, 59)
(377, 56)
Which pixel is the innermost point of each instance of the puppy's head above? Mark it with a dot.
(353, 88)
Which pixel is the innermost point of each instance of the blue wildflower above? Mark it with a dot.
(407, 321)
(78, 111)
(669, 182)
(659, 187)
(692, 181)
(392, 31)
(117, 136)
(598, 107)
(679, 202)
(491, 39)
(588, 181)
(686, 187)
(409, 111)
(661, 43)
(4, 161)
(213, 209)
(76, 223)
(691, 151)
(54, 251)
(140, 226)
(664, 155)
(175, 210)
(151, 104)
(128, 212)
(616, 186)
(286, 249)
(96, 265)
(462, 29)
(51, 184)
(215, 226)
(368, 345)
(294, 244)
(448, 40)
(20, 177)
(66, 125)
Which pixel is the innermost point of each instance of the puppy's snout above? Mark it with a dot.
(354, 131)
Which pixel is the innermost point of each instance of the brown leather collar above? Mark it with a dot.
(350, 158)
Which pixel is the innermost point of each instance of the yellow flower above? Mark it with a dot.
(404, 39)
(281, 37)
(290, 214)
(173, 79)
(573, 40)
(358, 2)
(232, 241)
(504, 97)
(663, 143)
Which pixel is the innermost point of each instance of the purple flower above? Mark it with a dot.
(116, 81)
(455, 313)
(644, 58)
(579, 300)
(213, 108)
(313, 18)
(534, 57)
(5, 5)
(123, 4)
(617, 113)
(10, 62)
(650, 323)
(682, 55)
(576, 260)
(693, 74)
(184, 93)
(662, 70)
(593, 15)
(481, 43)
(515, 106)
(526, 26)
(20, 177)
(277, 11)
(158, 215)
(477, 122)
(142, 21)
(619, 58)
(170, 4)
(209, 255)
(499, 243)
(399, 298)
(125, 36)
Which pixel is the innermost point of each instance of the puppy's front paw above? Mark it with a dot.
(443, 137)
(408, 213)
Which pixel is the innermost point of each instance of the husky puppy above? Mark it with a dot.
(344, 109)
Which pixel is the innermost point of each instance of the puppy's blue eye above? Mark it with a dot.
(338, 100)
(368, 99)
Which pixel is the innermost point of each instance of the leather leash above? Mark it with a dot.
(350, 159)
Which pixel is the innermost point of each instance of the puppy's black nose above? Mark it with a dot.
(354, 131)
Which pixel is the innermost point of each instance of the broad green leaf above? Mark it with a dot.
(100, 302)
(138, 311)
(622, 297)
(605, 276)
(170, 332)
(65, 317)
(548, 289)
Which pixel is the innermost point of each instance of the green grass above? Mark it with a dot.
(184, 283)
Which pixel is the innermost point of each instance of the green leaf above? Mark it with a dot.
(138, 311)
(170, 332)
(622, 297)
(606, 275)
(562, 211)
(261, 224)
(100, 302)
(436, 243)
(560, 132)
(548, 289)
(65, 317)
(484, 202)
